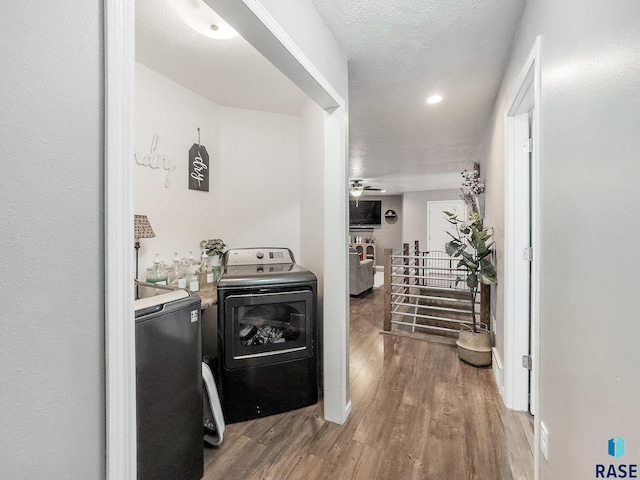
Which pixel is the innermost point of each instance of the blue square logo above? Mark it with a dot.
(616, 446)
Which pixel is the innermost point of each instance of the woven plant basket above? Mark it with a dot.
(474, 348)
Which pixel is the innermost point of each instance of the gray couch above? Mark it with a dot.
(360, 273)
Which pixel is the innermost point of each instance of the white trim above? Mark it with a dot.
(527, 96)
(263, 15)
(498, 371)
(336, 260)
(118, 258)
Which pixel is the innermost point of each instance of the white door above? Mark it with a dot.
(437, 224)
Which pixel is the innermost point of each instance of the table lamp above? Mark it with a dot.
(141, 229)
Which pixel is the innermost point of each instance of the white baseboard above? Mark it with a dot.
(498, 371)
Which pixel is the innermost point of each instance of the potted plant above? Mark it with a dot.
(470, 245)
(214, 249)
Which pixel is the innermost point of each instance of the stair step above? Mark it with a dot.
(466, 316)
(441, 309)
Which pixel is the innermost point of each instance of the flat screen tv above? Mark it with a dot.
(366, 214)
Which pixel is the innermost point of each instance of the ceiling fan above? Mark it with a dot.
(356, 187)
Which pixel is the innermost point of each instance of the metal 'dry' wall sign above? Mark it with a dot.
(198, 167)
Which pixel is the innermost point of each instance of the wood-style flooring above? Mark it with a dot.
(417, 413)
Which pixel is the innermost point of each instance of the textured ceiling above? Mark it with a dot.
(229, 72)
(400, 52)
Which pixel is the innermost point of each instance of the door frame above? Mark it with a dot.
(120, 360)
(281, 50)
(521, 305)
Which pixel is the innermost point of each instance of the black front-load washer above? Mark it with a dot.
(267, 334)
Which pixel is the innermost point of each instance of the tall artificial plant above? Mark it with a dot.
(470, 244)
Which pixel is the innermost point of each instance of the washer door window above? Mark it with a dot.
(265, 328)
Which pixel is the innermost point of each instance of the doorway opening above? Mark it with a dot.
(259, 29)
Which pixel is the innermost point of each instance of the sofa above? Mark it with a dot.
(360, 273)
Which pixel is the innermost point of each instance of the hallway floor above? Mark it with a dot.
(417, 413)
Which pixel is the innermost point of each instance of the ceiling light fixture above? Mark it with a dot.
(203, 19)
(356, 190)
(434, 99)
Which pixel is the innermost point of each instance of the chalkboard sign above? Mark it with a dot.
(198, 168)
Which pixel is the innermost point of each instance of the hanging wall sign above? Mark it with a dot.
(198, 168)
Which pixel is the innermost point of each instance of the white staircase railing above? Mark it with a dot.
(422, 292)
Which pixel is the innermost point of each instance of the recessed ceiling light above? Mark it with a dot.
(203, 19)
(434, 99)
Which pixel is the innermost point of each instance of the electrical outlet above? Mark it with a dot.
(544, 441)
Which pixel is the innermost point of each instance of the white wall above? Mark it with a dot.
(589, 380)
(253, 197)
(51, 149)
(259, 172)
(312, 253)
(180, 217)
(414, 206)
(312, 191)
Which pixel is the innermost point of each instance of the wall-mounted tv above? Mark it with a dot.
(366, 214)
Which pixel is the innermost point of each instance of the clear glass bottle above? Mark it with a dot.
(205, 274)
(184, 266)
(176, 275)
(216, 268)
(158, 274)
(193, 283)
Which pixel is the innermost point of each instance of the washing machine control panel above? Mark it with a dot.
(258, 256)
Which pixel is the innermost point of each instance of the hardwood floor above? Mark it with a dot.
(417, 413)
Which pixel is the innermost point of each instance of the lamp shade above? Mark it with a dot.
(142, 227)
